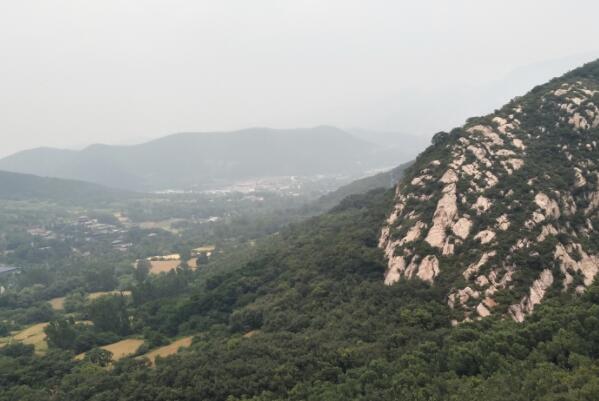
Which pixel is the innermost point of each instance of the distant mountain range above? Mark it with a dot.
(16, 186)
(207, 160)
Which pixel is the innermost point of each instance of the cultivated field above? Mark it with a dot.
(163, 266)
(167, 350)
(33, 335)
(120, 349)
(57, 303)
(251, 334)
(166, 225)
(204, 249)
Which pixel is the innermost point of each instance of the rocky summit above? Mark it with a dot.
(502, 211)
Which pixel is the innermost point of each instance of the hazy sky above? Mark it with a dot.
(114, 71)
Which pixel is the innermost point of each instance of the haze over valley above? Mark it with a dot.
(299, 201)
(210, 161)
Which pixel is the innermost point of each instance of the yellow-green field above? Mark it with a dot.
(252, 333)
(206, 248)
(33, 335)
(120, 349)
(167, 350)
(163, 266)
(58, 303)
(166, 225)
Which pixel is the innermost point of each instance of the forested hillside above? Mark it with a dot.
(386, 179)
(325, 309)
(16, 186)
(503, 210)
(303, 321)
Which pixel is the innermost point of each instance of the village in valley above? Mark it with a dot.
(59, 261)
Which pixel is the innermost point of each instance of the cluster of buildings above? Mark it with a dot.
(42, 233)
(87, 229)
(92, 228)
(8, 269)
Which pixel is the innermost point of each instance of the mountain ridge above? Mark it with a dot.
(521, 186)
(196, 160)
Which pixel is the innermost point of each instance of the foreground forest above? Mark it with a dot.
(303, 321)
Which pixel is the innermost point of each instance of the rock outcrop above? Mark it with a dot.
(505, 193)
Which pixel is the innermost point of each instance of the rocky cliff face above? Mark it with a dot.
(503, 210)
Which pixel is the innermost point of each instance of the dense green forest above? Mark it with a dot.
(323, 327)
(15, 186)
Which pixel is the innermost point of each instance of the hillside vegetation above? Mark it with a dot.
(502, 212)
(325, 309)
(325, 328)
(14, 186)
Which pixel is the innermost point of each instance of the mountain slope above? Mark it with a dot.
(200, 160)
(386, 179)
(307, 317)
(502, 211)
(15, 186)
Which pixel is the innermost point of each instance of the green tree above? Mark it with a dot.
(202, 259)
(99, 356)
(61, 333)
(110, 313)
(142, 270)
